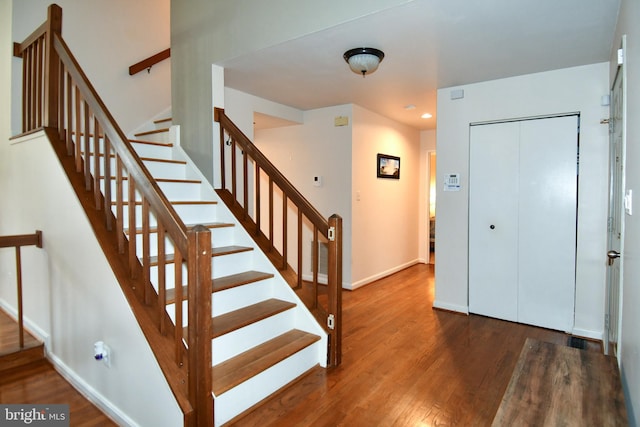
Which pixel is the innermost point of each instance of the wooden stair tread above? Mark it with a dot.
(168, 119)
(228, 250)
(217, 251)
(175, 180)
(223, 283)
(189, 226)
(234, 280)
(152, 159)
(246, 316)
(160, 144)
(152, 132)
(176, 202)
(236, 370)
(144, 159)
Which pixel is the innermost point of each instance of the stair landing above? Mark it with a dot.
(11, 355)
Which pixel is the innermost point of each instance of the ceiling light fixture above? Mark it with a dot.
(426, 116)
(363, 60)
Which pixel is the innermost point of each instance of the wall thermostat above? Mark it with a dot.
(452, 182)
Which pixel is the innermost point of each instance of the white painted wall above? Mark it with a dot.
(629, 346)
(72, 298)
(345, 158)
(567, 90)
(317, 148)
(207, 32)
(385, 214)
(106, 41)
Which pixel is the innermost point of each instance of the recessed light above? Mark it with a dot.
(410, 107)
(426, 116)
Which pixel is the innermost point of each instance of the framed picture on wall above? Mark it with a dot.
(388, 166)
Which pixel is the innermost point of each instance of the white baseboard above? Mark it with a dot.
(585, 333)
(90, 393)
(29, 325)
(451, 307)
(378, 276)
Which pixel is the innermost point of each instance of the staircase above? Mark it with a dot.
(226, 328)
(262, 335)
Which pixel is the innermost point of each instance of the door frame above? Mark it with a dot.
(610, 294)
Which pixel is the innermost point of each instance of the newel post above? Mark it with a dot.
(335, 288)
(52, 67)
(199, 337)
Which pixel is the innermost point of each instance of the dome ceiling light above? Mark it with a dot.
(363, 60)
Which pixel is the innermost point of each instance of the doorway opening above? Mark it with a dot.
(432, 207)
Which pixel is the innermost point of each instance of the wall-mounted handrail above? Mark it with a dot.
(247, 202)
(127, 202)
(146, 64)
(17, 242)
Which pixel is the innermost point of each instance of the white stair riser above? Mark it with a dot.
(241, 296)
(174, 191)
(221, 266)
(166, 170)
(153, 151)
(232, 344)
(159, 170)
(163, 124)
(155, 137)
(223, 237)
(190, 214)
(252, 391)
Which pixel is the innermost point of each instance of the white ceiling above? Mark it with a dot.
(428, 44)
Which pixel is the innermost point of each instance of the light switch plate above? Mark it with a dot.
(628, 202)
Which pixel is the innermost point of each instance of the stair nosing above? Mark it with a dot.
(151, 132)
(210, 225)
(216, 251)
(226, 282)
(245, 316)
(160, 144)
(230, 373)
(175, 202)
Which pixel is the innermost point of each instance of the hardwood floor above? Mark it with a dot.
(37, 382)
(406, 364)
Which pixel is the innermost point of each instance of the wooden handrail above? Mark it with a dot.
(18, 241)
(146, 64)
(121, 145)
(330, 230)
(58, 96)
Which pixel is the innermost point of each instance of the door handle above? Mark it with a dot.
(612, 255)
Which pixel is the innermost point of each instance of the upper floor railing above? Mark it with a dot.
(282, 221)
(127, 202)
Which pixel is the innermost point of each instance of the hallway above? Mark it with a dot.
(405, 364)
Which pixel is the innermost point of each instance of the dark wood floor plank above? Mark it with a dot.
(39, 383)
(406, 364)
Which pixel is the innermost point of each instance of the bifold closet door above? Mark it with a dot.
(548, 213)
(493, 220)
(522, 221)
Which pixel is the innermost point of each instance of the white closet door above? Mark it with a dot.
(547, 211)
(493, 220)
(522, 221)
